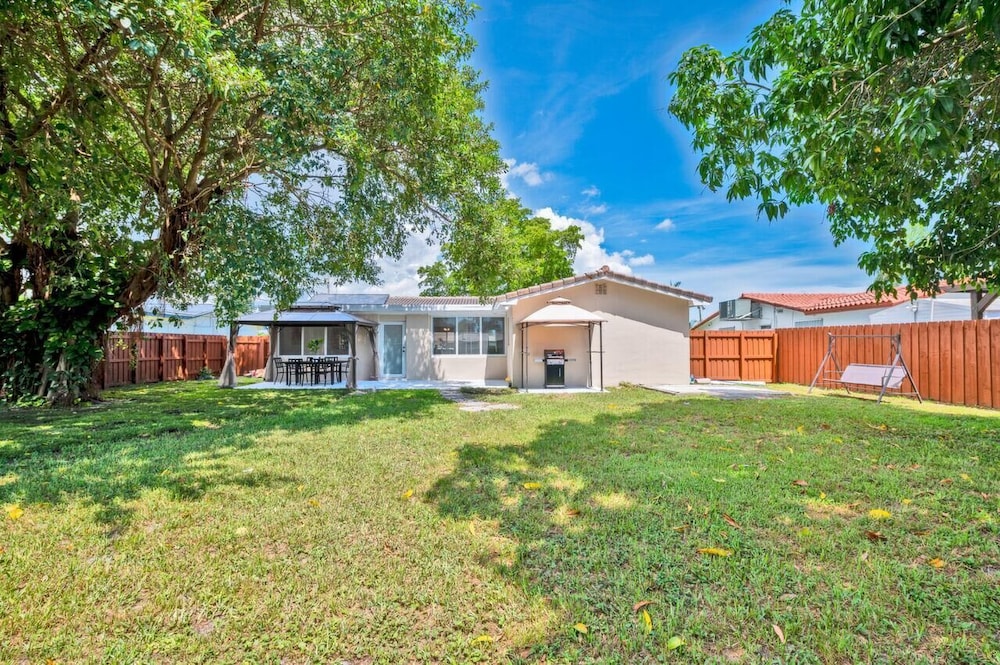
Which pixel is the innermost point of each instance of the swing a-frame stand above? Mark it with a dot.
(889, 376)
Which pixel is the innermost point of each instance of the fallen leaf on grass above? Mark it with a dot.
(15, 512)
(572, 512)
(675, 643)
(801, 429)
(482, 639)
(875, 536)
(682, 528)
(314, 503)
(647, 621)
(937, 563)
(406, 495)
(906, 502)
(965, 477)
(719, 480)
(641, 604)
(922, 532)
(879, 514)
(947, 481)
(581, 628)
(715, 551)
(777, 631)
(532, 486)
(730, 521)
(800, 483)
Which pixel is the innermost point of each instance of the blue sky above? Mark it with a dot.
(578, 94)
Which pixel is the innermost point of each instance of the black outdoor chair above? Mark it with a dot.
(280, 369)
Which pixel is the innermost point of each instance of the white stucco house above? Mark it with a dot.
(608, 327)
(766, 311)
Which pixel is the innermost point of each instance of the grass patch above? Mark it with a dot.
(182, 523)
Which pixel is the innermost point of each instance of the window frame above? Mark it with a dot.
(455, 345)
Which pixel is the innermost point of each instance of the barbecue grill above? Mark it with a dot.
(555, 368)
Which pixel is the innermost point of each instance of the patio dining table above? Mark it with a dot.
(314, 370)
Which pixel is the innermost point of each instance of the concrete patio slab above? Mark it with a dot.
(722, 390)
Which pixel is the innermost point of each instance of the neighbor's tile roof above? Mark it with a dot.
(602, 273)
(815, 303)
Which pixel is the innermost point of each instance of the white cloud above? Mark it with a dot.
(592, 254)
(399, 278)
(591, 192)
(725, 280)
(666, 225)
(644, 260)
(527, 172)
(599, 209)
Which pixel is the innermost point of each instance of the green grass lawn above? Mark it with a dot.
(183, 523)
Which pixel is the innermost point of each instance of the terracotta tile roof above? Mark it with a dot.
(815, 303)
(431, 301)
(602, 273)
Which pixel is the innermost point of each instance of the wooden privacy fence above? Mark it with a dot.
(734, 356)
(956, 362)
(132, 358)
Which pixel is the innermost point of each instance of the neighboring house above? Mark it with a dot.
(195, 319)
(766, 311)
(612, 328)
(945, 307)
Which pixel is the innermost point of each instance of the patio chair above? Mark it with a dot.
(280, 369)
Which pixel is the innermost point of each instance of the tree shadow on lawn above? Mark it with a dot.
(607, 513)
(180, 438)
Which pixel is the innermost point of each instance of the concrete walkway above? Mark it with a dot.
(406, 384)
(383, 384)
(722, 390)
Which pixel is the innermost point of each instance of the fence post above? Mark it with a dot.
(741, 348)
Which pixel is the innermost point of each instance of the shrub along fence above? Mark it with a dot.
(132, 358)
(956, 362)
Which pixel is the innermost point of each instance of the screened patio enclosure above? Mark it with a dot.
(304, 333)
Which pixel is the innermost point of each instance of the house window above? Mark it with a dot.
(493, 336)
(815, 323)
(601, 289)
(468, 335)
(290, 341)
(444, 335)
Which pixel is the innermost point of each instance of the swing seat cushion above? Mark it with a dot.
(881, 376)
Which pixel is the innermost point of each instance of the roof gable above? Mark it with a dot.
(605, 273)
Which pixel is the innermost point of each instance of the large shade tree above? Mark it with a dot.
(526, 249)
(185, 148)
(885, 111)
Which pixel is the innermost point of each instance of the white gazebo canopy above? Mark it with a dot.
(562, 312)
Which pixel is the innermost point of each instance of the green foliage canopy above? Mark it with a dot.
(529, 250)
(235, 147)
(886, 111)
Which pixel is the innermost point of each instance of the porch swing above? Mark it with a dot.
(885, 377)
